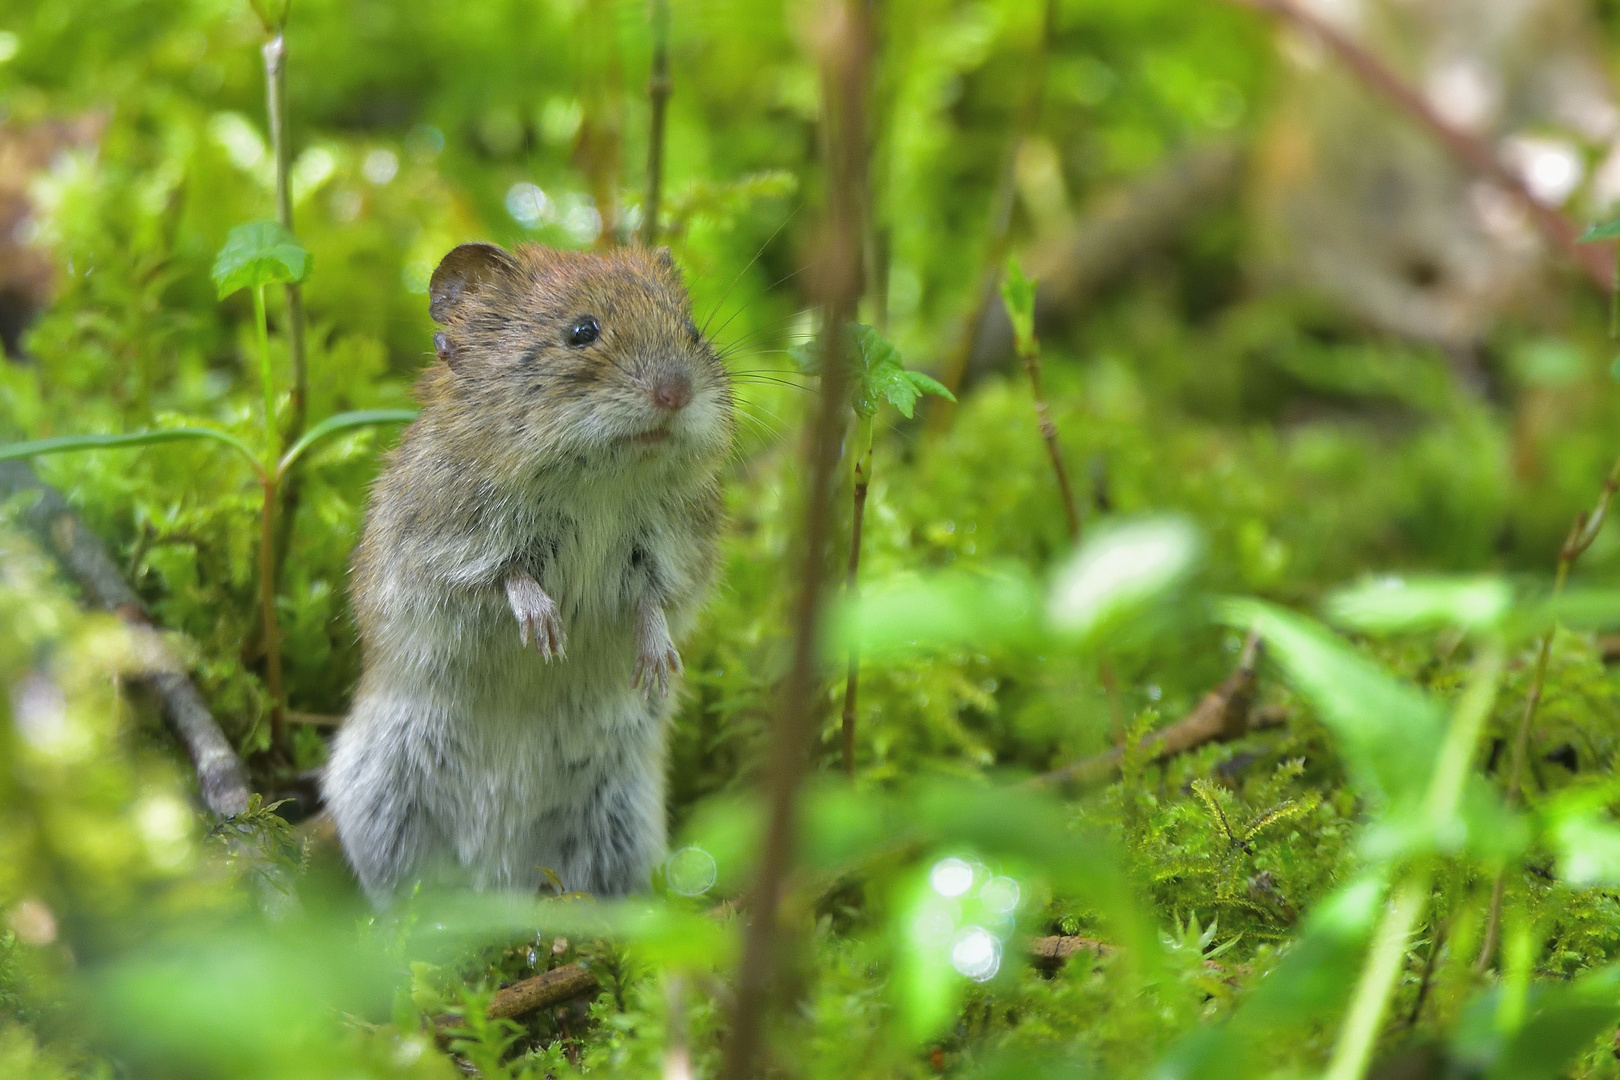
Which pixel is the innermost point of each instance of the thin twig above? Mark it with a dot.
(658, 91)
(271, 629)
(1029, 351)
(220, 776)
(1582, 532)
(844, 59)
(852, 678)
(1001, 212)
(1596, 260)
(1222, 715)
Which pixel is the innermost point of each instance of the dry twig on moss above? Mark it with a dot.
(220, 775)
(1224, 714)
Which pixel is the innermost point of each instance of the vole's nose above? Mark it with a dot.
(672, 392)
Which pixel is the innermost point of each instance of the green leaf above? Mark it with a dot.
(1396, 605)
(1563, 1020)
(956, 608)
(1119, 570)
(342, 422)
(1018, 294)
(259, 253)
(1388, 731)
(877, 372)
(67, 443)
(1602, 230)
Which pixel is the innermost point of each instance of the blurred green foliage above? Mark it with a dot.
(1232, 892)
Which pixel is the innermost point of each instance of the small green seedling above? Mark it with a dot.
(878, 374)
(1018, 294)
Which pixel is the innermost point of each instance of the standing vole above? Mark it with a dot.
(540, 538)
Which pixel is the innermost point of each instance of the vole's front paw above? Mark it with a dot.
(655, 669)
(537, 616)
(657, 662)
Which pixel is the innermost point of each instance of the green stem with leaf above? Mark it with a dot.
(1582, 533)
(1410, 896)
(1018, 293)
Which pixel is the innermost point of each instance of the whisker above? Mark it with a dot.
(767, 290)
(768, 241)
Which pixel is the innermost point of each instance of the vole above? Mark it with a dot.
(542, 535)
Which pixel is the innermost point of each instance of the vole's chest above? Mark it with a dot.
(594, 558)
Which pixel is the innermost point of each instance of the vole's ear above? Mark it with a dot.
(666, 263)
(467, 270)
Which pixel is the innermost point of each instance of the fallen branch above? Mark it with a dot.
(1053, 952)
(1222, 715)
(1597, 260)
(575, 980)
(549, 988)
(220, 775)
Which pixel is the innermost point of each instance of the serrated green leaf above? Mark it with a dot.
(1018, 294)
(879, 374)
(259, 253)
(1602, 230)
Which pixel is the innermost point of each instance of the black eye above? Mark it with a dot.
(584, 331)
(692, 331)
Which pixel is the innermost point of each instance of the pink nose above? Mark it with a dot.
(672, 392)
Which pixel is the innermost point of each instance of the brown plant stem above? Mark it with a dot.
(1001, 212)
(843, 41)
(1030, 353)
(1597, 261)
(600, 145)
(220, 776)
(852, 678)
(1582, 532)
(659, 88)
(267, 605)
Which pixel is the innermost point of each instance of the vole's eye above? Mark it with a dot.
(584, 331)
(692, 331)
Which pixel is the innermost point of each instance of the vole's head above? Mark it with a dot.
(586, 353)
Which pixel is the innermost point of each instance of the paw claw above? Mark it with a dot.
(537, 617)
(655, 670)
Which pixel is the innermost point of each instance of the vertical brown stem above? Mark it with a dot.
(601, 136)
(1001, 212)
(1032, 364)
(1581, 534)
(844, 50)
(658, 91)
(267, 604)
(852, 678)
